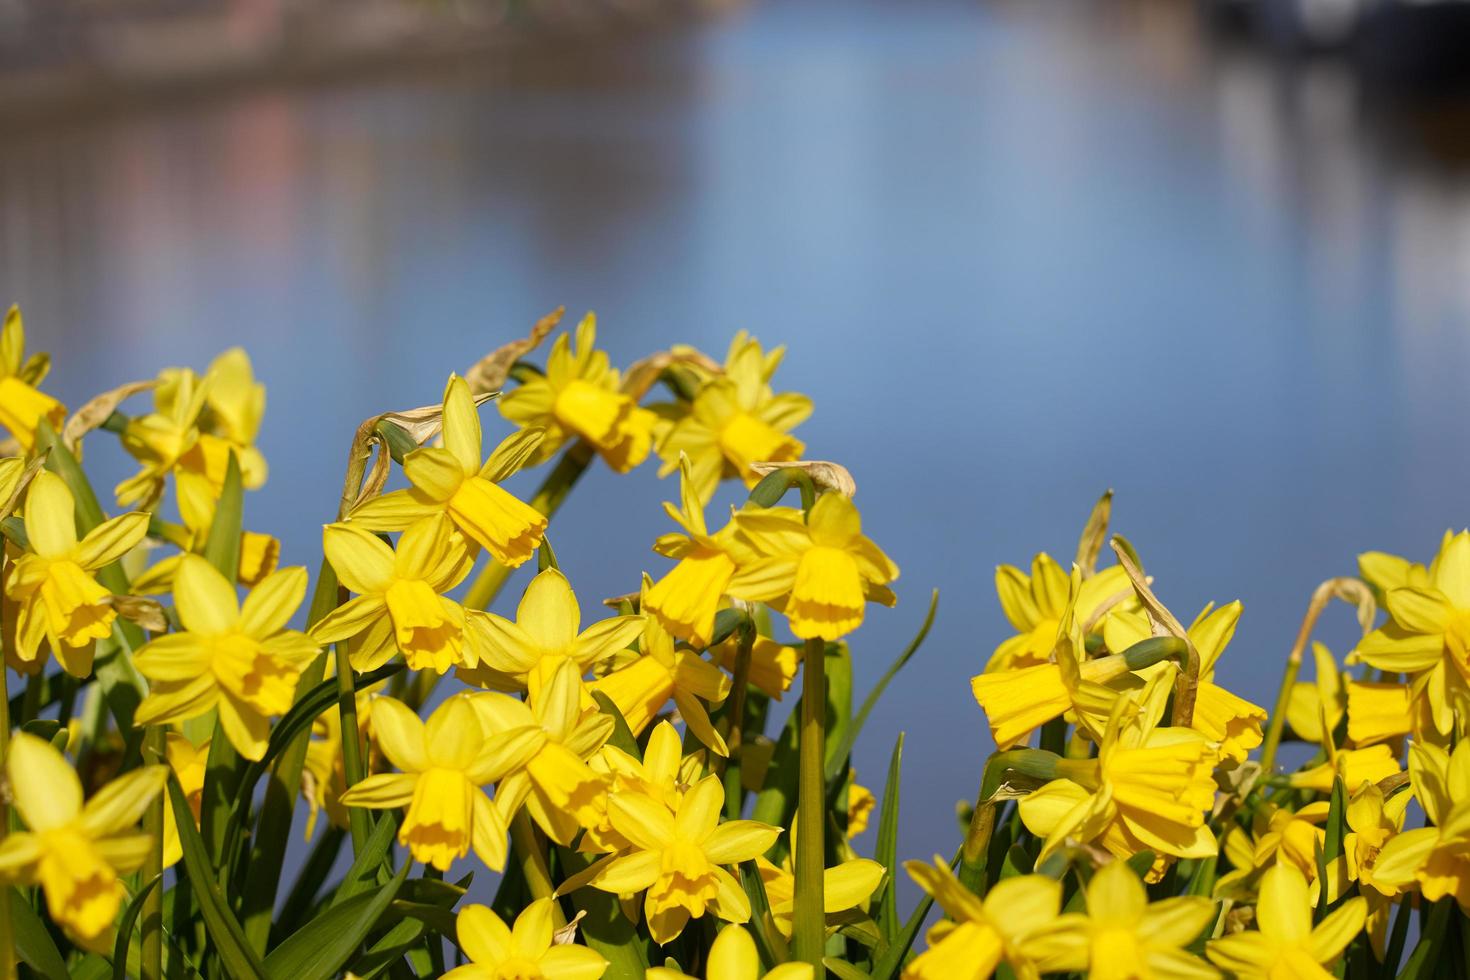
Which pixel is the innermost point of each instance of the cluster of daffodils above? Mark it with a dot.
(215, 766)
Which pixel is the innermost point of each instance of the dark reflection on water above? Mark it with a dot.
(1021, 254)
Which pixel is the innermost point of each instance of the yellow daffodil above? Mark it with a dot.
(846, 886)
(22, 404)
(772, 668)
(735, 420)
(452, 480)
(552, 779)
(444, 762)
(980, 934)
(1287, 946)
(686, 599)
(1373, 764)
(59, 599)
(1428, 634)
(234, 403)
(1379, 711)
(860, 806)
(236, 658)
(664, 672)
(819, 569)
(260, 555)
(528, 949)
(546, 633)
(733, 956)
(1122, 936)
(75, 851)
(663, 774)
(1372, 823)
(579, 396)
(1148, 788)
(1020, 699)
(678, 857)
(398, 606)
(1324, 698)
(1278, 835)
(160, 439)
(1219, 715)
(1435, 857)
(188, 761)
(1034, 604)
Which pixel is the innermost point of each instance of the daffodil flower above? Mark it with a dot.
(845, 886)
(664, 773)
(736, 420)
(552, 779)
(579, 396)
(1279, 835)
(234, 403)
(1034, 605)
(1434, 857)
(189, 762)
(1148, 788)
(74, 850)
(773, 665)
(22, 404)
(1372, 822)
(1287, 946)
(59, 599)
(678, 857)
(237, 658)
(1428, 634)
(159, 439)
(1322, 699)
(1356, 766)
(527, 949)
(399, 606)
(860, 806)
(547, 632)
(1123, 936)
(1219, 715)
(733, 956)
(687, 598)
(820, 571)
(664, 672)
(444, 762)
(452, 480)
(980, 934)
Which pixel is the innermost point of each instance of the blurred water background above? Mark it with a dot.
(1021, 253)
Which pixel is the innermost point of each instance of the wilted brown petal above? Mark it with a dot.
(826, 476)
(490, 372)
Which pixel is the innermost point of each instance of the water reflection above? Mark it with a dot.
(1022, 253)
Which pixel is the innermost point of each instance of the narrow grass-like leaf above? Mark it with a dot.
(33, 944)
(225, 934)
(1393, 954)
(776, 801)
(768, 942)
(885, 851)
(1334, 833)
(125, 929)
(843, 970)
(222, 547)
(319, 950)
(891, 962)
(363, 875)
(837, 756)
(1425, 960)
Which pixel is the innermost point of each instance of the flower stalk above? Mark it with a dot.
(809, 919)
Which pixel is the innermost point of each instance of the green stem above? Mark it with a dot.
(1320, 598)
(809, 920)
(357, 817)
(151, 966)
(548, 499)
(535, 868)
(734, 791)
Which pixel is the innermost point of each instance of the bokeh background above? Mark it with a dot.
(1213, 256)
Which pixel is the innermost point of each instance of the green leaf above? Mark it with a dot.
(92, 967)
(891, 962)
(32, 942)
(545, 556)
(222, 547)
(622, 736)
(838, 673)
(776, 801)
(363, 875)
(836, 757)
(885, 852)
(319, 950)
(1141, 863)
(1202, 882)
(1425, 960)
(768, 942)
(225, 934)
(843, 970)
(1394, 953)
(1333, 835)
(302, 897)
(125, 928)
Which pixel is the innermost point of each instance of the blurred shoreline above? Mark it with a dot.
(60, 58)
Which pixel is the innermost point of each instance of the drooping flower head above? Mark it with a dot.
(22, 404)
(736, 420)
(579, 396)
(454, 481)
(526, 950)
(687, 598)
(60, 600)
(75, 850)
